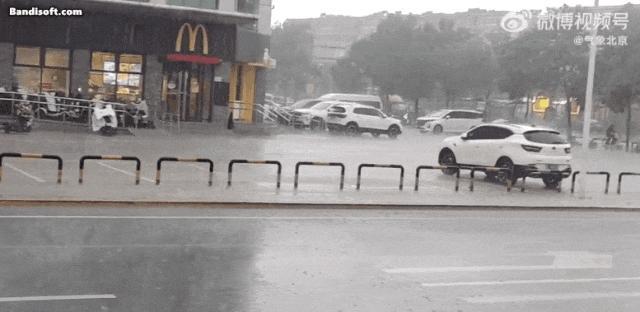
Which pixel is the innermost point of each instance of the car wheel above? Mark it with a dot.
(551, 181)
(375, 134)
(504, 177)
(352, 129)
(393, 132)
(316, 124)
(447, 158)
(437, 129)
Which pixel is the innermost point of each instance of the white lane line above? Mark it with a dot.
(529, 282)
(56, 298)
(199, 167)
(28, 175)
(124, 172)
(563, 260)
(285, 218)
(555, 297)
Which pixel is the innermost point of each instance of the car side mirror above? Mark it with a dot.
(464, 137)
(447, 117)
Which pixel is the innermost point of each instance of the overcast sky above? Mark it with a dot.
(313, 8)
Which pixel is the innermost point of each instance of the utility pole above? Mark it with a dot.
(588, 105)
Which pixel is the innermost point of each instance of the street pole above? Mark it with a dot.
(588, 105)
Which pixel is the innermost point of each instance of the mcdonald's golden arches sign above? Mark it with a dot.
(193, 33)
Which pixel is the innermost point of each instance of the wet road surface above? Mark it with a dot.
(227, 259)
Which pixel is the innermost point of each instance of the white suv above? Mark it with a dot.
(354, 119)
(541, 152)
(449, 121)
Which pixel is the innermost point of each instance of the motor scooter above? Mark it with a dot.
(104, 120)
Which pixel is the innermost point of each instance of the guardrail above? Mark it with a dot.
(254, 162)
(624, 174)
(532, 172)
(604, 173)
(33, 156)
(110, 157)
(189, 160)
(380, 166)
(62, 109)
(491, 169)
(421, 168)
(325, 164)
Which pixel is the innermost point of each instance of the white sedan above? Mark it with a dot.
(528, 151)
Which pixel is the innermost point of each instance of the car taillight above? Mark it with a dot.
(567, 150)
(532, 149)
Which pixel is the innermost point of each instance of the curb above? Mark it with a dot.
(308, 206)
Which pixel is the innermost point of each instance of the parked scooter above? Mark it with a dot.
(23, 117)
(104, 119)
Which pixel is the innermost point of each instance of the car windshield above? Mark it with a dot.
(322, 106)
(438, 114)
(304, 104)
(545, 137)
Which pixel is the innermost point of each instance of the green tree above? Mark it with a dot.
(618, 77)
(292, 46)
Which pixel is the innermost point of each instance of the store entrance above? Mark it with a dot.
(188, 91)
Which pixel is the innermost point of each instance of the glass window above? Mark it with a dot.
(103, 61)
(56, 58)
(39, 69)
(28, 56)
(545, 137)
(27, 78)
(248, 6)
(130, 63)
(116, 77)
(55, 80)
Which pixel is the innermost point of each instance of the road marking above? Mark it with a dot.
(528, 282)
(56, 298)
(124, 172)
(555, 297)
(28, 175)
(284, 218)
(563, 260)
(198, 167)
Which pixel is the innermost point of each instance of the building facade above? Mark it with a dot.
(189, 59)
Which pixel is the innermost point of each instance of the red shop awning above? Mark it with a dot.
(190, 58)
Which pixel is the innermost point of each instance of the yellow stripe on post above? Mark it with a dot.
(112, 157)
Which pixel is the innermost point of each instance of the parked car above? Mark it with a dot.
(542, 152)
(357, 118)
(314, 117)
(450, 121)
(364, 99)
(306, 103)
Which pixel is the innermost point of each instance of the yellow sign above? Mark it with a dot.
(541, 104)
(193, 37)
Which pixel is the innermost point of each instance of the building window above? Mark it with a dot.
(248, 6)
(116, 77)
(202, 4)
(38, 69)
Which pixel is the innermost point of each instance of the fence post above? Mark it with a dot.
(309, 163)
(34, 156)
(110, 157)
(254, 162)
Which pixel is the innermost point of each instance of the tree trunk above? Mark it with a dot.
(628, 144)
(569, 127)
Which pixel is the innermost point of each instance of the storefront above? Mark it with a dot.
(181, 61)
